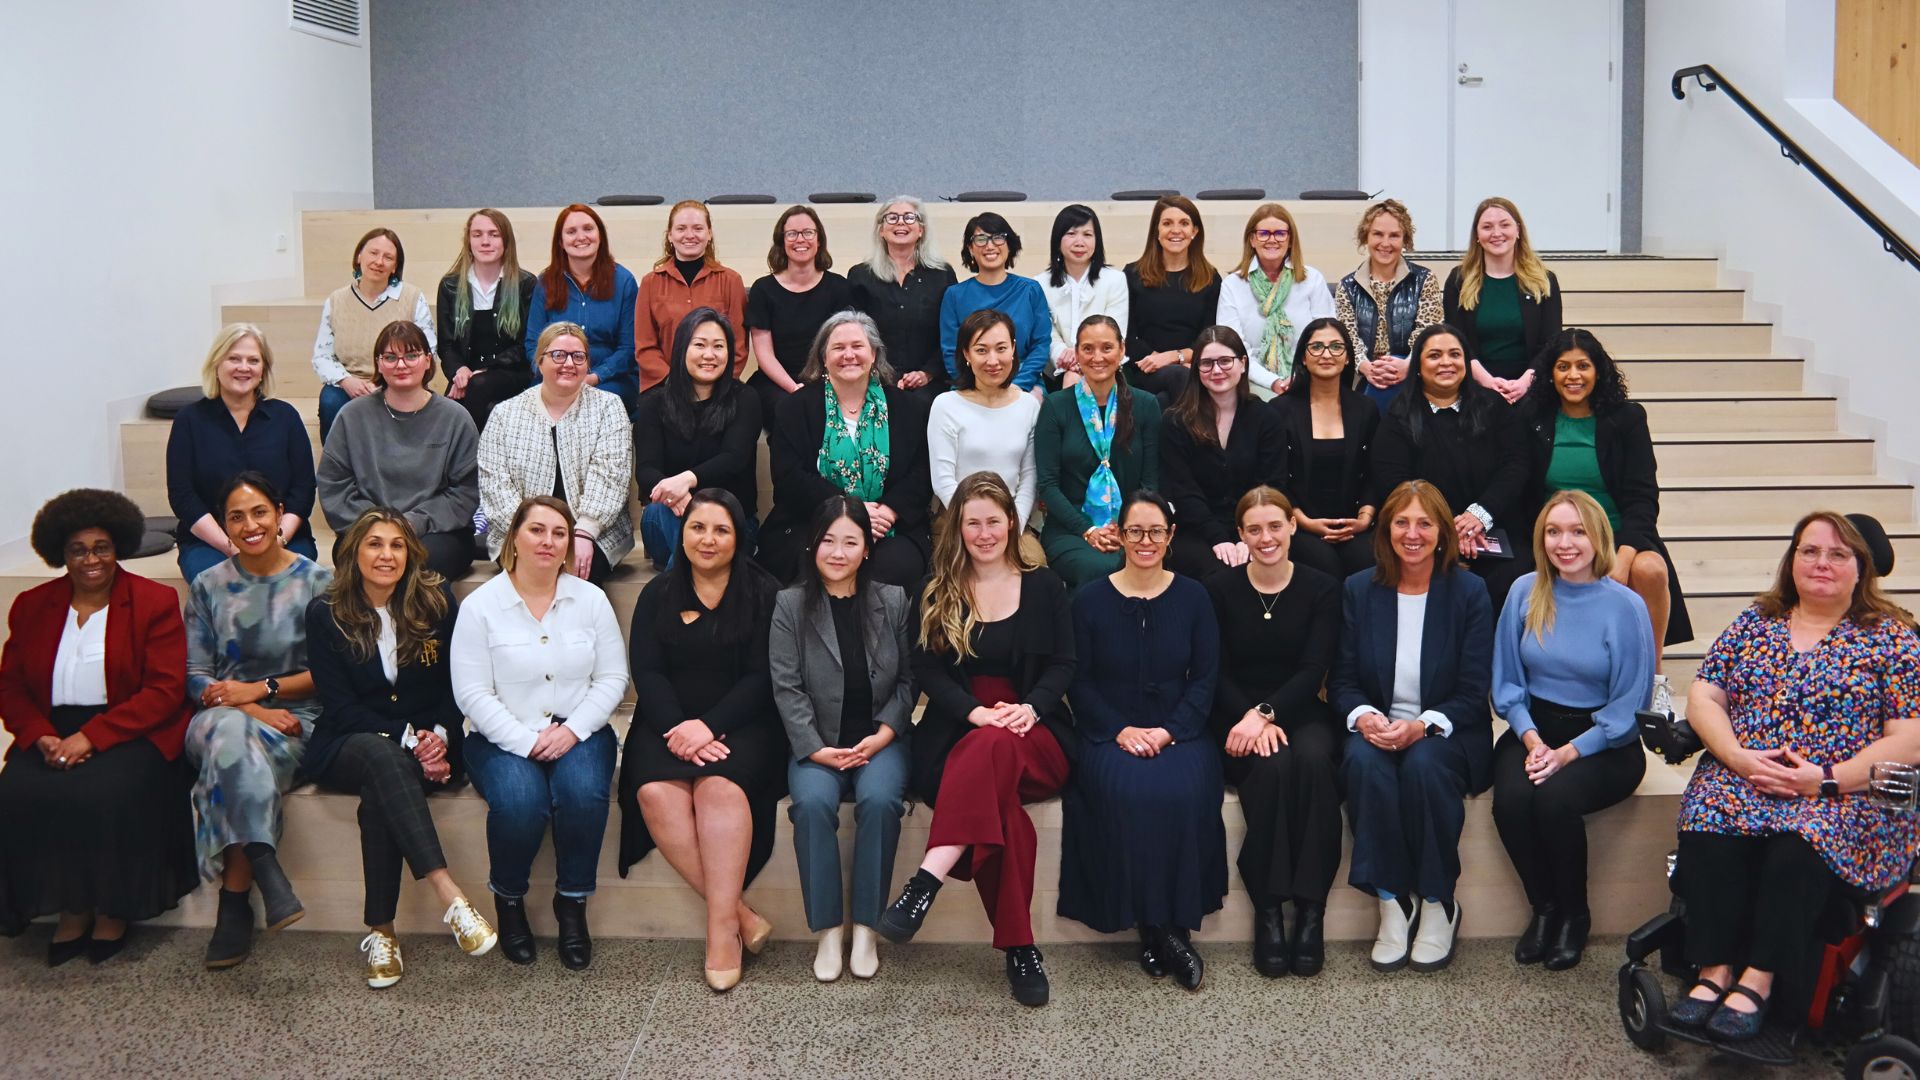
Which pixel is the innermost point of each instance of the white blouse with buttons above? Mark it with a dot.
(513, 675)
(80, 661)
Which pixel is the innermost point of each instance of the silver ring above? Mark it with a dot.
(61, 760)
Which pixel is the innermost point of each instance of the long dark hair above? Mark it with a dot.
(1194, 408)
(1609, 382)
(1478, 405)
(1302, 385)
(680, 413)
(743, 605)
(831, 510)
(1122, 393)
(1071, 217)
(417, 605)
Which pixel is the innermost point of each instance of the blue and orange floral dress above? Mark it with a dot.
(1827, 703)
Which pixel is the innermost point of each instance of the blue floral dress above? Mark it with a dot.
(1827, 703)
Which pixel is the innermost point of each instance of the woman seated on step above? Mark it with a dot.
(1218, 442)
(839, 654)
(985, 422)
(1572, 660)
(93, 692)
(481, 310)
(1095, 444)
(1386, 301)
(238, 426)
(1503, 299)
(989, 247)
(353, 316)
(583, 285)
(388, 731)
(1329, 428)
(1587, 436)
(538, 669)
(407, 448)
(1410, 683)
(706, 755)
(901, 285)
(850, 431)
(247, 672)
(699, 429)
(787, 307)
(1795, 702)
(563, 438)
(687, 277)
(994, 653)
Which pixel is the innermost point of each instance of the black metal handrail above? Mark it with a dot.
(1712, 80)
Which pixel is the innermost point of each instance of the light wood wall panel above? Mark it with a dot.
(1876, 68)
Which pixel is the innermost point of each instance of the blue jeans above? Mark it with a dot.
(660, 534)
(196, 556)
(332, 400)
(522, 795)
(878, 789)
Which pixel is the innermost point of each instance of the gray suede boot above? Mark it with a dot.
(232, 931)
(276, 892)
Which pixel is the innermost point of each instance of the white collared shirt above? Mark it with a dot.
(481, 294)
(1070, 303)
(514, 675)
(329, 367)
(80, 662)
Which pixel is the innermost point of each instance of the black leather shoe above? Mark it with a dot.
(1729, 1025)
(902, 919)
(59, 952)
(1026, 976)
(510, 922)
(1150, 958)
(1567, 943)
(1269, 941)
(101, 950)
(1541, 929)
(1309, 938)
(576, 947)
(1183, 963)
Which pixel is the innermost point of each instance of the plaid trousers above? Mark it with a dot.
(394, 822)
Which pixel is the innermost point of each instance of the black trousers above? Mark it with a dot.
(770, 396)
(449, 554)
(1164, 384)
(1541, 824)
(489, 387)
(1500, 574)
(1407, 808)
(1342, 560)
(1291, 803)
(394, 822)
(1193, 556)
(1754, 901)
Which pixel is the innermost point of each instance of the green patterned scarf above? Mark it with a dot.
(1277, 356)
(857, 463)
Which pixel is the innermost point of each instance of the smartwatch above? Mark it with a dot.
(1435, 730)
(1829, 787)
(1266, 712)
(273, 687)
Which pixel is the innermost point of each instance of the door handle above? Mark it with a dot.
(1471, 80)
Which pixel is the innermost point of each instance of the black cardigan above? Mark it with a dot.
(793, 452)
(1490, 470)
(1043, 669)
(483, 348)
(1359, 423)
(1539, 318)
(1204, 482)
(729, 459)
(355, 695)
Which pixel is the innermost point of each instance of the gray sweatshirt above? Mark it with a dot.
(422, 464)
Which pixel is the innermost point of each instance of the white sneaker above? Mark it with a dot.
(384, 966)
(865, 962)
(1662, 695)
(827, 961)
(1390, 946)
(1433, 944)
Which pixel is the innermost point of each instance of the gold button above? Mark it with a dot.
(393, 697)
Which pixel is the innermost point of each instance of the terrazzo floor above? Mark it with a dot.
(299, 1008)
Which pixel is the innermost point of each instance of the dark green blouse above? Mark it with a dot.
(1063, 458)
(1503, 337)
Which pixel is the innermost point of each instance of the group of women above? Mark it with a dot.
(1386, 504)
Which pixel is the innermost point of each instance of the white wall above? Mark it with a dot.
(154, 152)
(1715, 184)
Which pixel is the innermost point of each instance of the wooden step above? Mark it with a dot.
(1684, 338)
(1581, 306)
(1738, 410)
(1766, 543)
(1775, 453)
(1779, 500)
(1707, 374)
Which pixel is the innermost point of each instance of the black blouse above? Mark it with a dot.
(908, 314)
(1281, 660)
(727, 459)
(1489, 468)
(1204, 482)
(856, 694)
(795, 317)
(1168, 317)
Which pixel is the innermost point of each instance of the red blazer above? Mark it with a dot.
(146, 665)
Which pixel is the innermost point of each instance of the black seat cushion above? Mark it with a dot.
(153, 543)
(630, 200)
(741, 200)
(843, 197)
(1233, 193)
(164, 523)
(166, 403)
(1332, 193)
(991, 196)
(1144, 194)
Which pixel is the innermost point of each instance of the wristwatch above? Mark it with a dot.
(1435, 730)
(1829, 787)
(273, 687)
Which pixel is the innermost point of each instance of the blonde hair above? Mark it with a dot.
(947, 616)
(559, 330)
(880, 262)
(1385, 206)
(710, 257)
(1293, 259)
(509, 554)
(1473, 268)
(223, 342)
(1599, 530)
(1264, 495)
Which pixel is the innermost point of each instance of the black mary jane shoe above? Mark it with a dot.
(1730, 1025)
(1269, 941)
(1532, 946)
(1151, 961)
(1182, 960)
(576, 946)
(1691, 1012)
(1309, 944)
(1568, 943)
(510, 921)
(59, 952)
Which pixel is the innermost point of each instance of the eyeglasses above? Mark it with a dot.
(1327, 348)
(1208, 363)
(563, 358)
(981, 239)
(801, 234)
(1133, 534)
(79, 553)
(908, 218)
(1271, 234)
(1833, 556)
(413, 357)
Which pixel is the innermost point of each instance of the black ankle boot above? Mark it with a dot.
(576, 947)
(1182, 961)
(1533, 941)
(1565, 947)
(1150, 958)
(1309, 944)
(902, 920)
(232, 930)
(1269, 940)
(510, 921)
(1026, 976)
(276, 892)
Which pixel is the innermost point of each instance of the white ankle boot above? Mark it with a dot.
(865, 962)
(828, 961)
(1433, 944)
(1390, 946)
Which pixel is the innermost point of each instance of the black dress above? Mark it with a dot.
(681, 671)
(1291, 800)
(793, 318)
(1205, 482)
(1169, 316)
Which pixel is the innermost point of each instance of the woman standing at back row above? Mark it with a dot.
(1271, 295)
(901, 285)
(582, 284)
(687, 277)
(1173, 293)
(1504, 301)
(786, 308)
(1386, 301)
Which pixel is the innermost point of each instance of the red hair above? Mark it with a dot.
(599, 283)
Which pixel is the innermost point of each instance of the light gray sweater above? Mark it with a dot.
(422, 464)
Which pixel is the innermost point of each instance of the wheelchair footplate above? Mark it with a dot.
(1777, 1043)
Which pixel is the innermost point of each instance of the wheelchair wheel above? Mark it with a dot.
(1889, 1057)
(1903, 996)
(1643, 1005)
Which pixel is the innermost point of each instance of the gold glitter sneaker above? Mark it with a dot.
(474, 933)
(384, 966)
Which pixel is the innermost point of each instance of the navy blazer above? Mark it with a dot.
(1456, 658)
(355, 695)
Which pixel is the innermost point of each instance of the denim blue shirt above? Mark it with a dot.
(609, 326)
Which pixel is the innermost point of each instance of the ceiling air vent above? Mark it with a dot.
(335, 20)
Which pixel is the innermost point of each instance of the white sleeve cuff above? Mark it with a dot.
(1480, 512)
(1353, 718)
(1439, 720)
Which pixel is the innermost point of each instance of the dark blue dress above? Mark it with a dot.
(1143, 843)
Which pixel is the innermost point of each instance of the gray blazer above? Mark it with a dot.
(803, 656)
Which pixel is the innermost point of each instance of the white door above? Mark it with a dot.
(1536, 118)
